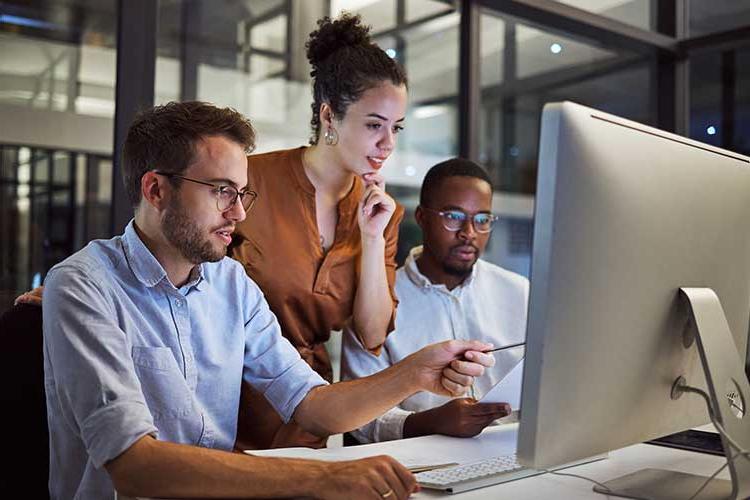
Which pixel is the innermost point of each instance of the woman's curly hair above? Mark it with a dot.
(345, 63)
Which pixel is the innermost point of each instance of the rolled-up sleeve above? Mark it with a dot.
(90, 376)
(272, 365)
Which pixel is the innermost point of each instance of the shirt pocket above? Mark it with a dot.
(167, 395)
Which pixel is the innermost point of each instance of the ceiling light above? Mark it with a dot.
(428, 111)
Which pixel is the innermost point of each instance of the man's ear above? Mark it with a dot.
(154, 190)
(419, 216)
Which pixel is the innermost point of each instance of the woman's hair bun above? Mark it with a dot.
(333, 34)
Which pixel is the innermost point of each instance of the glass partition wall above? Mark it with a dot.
(480, 72)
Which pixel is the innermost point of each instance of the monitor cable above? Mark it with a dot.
(740, 451)
(578, 476)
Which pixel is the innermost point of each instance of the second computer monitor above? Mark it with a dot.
(625, 216)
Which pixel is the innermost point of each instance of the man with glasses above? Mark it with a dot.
(147, 338)
(446, 292)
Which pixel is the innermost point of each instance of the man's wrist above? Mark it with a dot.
(314, 476)
(418, 424)
(411, 371)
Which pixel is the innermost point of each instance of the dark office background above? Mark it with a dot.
(73, 73)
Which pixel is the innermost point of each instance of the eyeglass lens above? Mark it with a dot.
(227, 197)
(454, 220)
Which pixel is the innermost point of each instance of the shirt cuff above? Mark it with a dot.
(390, 425)
(110, 431)
(288, 390)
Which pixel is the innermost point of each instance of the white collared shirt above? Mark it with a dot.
(490, 305)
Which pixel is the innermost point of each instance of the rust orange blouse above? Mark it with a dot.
(311, 292)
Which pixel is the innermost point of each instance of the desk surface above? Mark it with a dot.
(499, 441)
(619, 463)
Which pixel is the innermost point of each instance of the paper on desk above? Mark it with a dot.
(508, 390)
(343, 453)
(414, 452)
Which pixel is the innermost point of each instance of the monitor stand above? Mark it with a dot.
(728, 390)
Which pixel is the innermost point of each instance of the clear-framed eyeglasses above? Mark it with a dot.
(455, 220)
(226, 195)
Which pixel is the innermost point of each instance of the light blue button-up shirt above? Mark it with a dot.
(126, 354)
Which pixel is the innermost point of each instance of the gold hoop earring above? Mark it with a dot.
(331, 136)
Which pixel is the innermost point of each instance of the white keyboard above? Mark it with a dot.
(473, 475)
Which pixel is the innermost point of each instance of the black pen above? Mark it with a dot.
(509, 346)
(501, 348)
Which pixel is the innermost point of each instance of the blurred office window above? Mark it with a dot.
(57, 88)
(742, 102)
(245, 54)
(638, 13)
(421, 9)
(52, 203)
(523, 68)
(714, 16)
(58, 56)
(381, 15)
(706, 93)
(720, 98)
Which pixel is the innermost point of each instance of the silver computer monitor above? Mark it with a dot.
(625, 216)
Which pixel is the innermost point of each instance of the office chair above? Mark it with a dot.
(23, 417)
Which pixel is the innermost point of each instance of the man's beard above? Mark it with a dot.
(186, 237)
(459, 271)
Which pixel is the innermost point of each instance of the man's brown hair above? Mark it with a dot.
(165, 138)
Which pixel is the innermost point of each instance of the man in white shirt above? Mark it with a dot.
(446, 292)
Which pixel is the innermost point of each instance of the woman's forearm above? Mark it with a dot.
(373, 305)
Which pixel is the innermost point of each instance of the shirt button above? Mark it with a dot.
(178, 302)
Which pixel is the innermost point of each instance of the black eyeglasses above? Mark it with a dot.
(226, 196)
(454, 220)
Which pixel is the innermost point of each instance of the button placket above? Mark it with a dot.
(191, 371)
(454, 318)
(458, 325)
(182, 317)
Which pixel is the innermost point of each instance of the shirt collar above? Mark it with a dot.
(144, 265)
(198, 278)
(297, 167)
(422, 281)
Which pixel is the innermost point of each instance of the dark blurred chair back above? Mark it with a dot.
(23, 409)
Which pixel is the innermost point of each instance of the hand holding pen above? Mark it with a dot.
(502, 348)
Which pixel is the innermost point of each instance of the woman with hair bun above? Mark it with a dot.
(321, 239)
